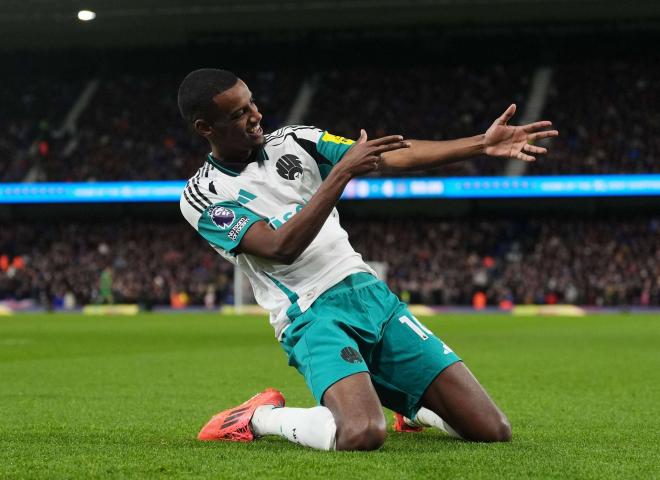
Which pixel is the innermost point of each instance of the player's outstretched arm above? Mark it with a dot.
(286, 243)
(500, 140)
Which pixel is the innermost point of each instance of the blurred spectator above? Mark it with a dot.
(105, 287)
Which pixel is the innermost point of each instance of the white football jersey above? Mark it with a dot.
(222, 200)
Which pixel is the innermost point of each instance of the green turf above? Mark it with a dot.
(107, 397)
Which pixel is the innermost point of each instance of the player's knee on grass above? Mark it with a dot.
(362, 434)
(496, 429)
(502, 430)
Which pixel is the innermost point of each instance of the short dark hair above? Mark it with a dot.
(197, 90)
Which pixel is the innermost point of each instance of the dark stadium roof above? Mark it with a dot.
(47, 23)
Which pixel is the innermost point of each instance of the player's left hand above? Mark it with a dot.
(510, 141)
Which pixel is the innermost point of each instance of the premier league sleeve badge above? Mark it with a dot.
(222, 217)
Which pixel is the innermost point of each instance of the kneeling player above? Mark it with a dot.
(266, 203)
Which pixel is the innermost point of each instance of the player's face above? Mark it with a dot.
(237, 127)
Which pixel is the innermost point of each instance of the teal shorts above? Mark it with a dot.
(359, 325)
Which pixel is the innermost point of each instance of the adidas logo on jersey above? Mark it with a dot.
(289, 167)
(244, 196)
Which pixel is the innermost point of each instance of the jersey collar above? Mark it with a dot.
(234, 169)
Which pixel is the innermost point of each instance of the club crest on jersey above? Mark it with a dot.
(222, 217)
(289, 167)
(351, 355)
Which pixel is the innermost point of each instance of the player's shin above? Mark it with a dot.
(310, 427)
(427, 418)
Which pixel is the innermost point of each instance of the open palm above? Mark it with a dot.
(511, 141)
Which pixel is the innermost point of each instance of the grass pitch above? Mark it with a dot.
(84, 397)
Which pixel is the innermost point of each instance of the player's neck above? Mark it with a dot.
(226, 156)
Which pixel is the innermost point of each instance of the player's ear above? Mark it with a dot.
(203, 127)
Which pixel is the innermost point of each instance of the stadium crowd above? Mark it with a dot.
(31, 118)
(608, 117)
(427, 103)
(150, 264)
(584, 262)
(131, 129)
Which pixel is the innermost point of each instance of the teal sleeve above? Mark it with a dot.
(332, 148)
(224, 224)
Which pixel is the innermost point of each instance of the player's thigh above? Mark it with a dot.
(328, 356)
(358, 413)
(324, 352)
(458, 398)
(406, 361)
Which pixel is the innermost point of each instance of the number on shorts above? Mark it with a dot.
(416, 326)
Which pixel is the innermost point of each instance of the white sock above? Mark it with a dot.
(310, 427)
(427, 418)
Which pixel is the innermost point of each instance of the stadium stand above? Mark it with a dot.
(131, 130)
(607, 131)
(583, 262)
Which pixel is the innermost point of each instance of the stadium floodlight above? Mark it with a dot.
(86, 15)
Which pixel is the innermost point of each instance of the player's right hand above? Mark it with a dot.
(365, 155)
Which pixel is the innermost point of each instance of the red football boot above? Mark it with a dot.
(400, 425)
(233, 425)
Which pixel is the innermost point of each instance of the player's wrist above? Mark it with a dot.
(480, 143)
(340, 175)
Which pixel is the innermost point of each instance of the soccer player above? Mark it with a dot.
(267, 204)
